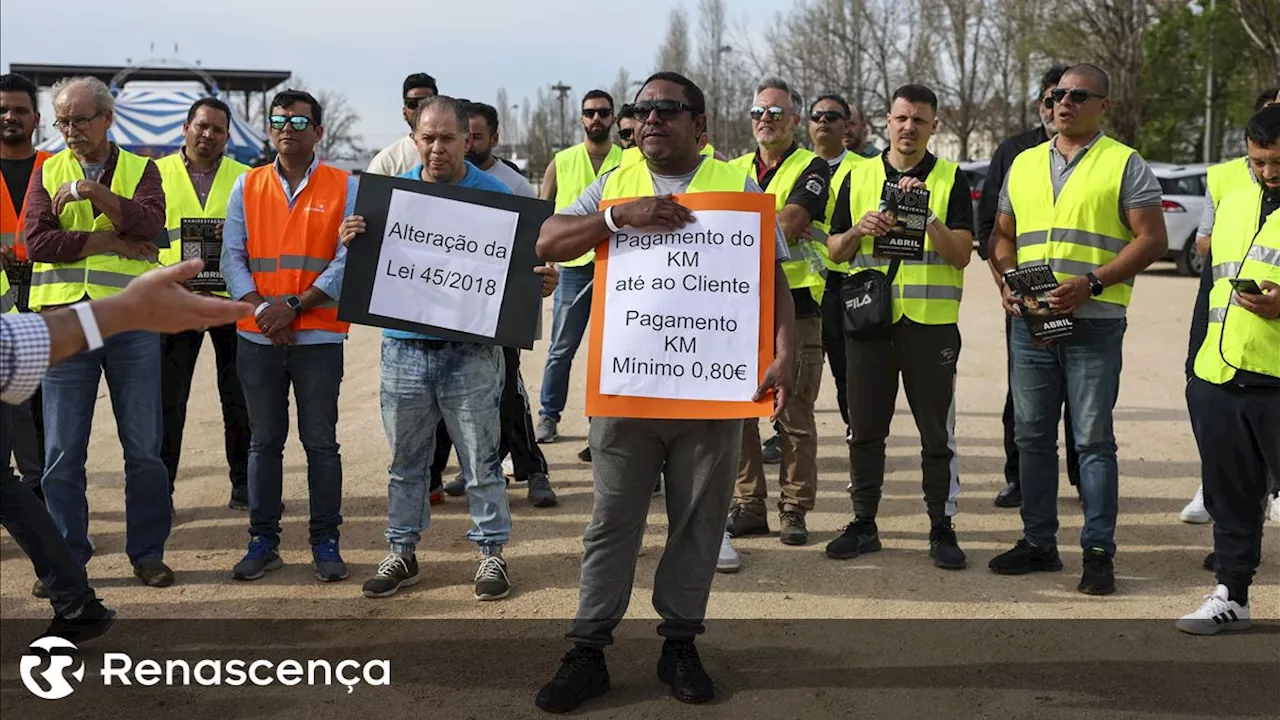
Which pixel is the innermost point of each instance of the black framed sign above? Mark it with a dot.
(455, 263)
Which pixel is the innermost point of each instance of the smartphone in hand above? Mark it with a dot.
(1245, 285)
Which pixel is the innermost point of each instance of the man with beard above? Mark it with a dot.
(19, 116)
(197, 184)
(627, 126)
(402, 154)
(857, 137)
(569, 173)
(1011, 495)
(484, 139)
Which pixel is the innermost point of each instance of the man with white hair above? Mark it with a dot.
(93, 212)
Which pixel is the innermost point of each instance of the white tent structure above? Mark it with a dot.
(148, 121)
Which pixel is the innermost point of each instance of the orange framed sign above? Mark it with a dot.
(682, 321)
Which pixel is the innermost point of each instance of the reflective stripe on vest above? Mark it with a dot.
(837, 180)
(11, 219)
(289, 249)
(927, 291)
(574, 174)
(805, 269)
(1082, 229)
(8, 303)
(1237, 339)
(1228, 176)
(181, 200)
(97, 276)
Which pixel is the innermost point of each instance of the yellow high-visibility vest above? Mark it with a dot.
(8, 303)
(805, 269)
(926, 291)
(837, 179)
(574, 174)
(180, 200)
(1080, 231)
(632, 155)
(712, 176)
(1236, 338)
(1227, 176)
(97, 276)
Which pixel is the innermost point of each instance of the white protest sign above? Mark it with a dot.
(443, 263)
(682, 310)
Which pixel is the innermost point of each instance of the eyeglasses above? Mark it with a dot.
(1078, 96)
(296, 123)
(775, 112)
(596, 112)
(78, 123)
(821, 115)
(666, 109)
(627, 133)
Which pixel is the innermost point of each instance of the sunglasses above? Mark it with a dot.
(1047, 102)
(821, 115)
(666, 109)
(412, 103)
(1077, 96)
(626, 134)
(296, 123)
(775, 112)
(596, 112)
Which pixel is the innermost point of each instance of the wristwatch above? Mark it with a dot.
(296, 305)
(1095, 285)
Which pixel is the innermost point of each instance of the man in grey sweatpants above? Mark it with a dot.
(700, 456)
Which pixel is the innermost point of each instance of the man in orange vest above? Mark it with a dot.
(19, 116)
(280, 253)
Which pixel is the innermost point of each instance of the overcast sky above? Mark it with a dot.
(365, 48)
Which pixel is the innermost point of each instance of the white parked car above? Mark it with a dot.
(1183, 187)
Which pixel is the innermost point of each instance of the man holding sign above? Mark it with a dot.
(427, 378)
(630, 448)
(197, 184)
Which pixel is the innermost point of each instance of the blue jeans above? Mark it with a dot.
(422, 382)
(131, 362)
(570, 313)
(1087, 368)
(315, 371)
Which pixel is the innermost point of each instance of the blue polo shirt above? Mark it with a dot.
(475, 178)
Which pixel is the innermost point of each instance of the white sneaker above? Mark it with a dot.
(508, 468)
(729, 561)
(1194, 512)
(1273, 510)
(1216, 614)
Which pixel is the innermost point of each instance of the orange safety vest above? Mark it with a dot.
(289, 249)
(10, 219)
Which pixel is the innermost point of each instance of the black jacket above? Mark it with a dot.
(989, 203)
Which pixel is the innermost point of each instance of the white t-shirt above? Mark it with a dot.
(511, 178)
(397, 158)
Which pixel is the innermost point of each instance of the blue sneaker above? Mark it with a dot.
(261, 558)
(328, 562)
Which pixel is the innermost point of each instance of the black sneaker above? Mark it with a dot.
(793, 530)
(456, 487)
(394, 572)
(771, 451)
(585, 454)
(260, 559)
(943, 547)
(239, 498)
(860, 536)
(1025, 558)
(153, 572)
(491, 579)
(1099, 577)
(1210, 564)
(582, 676)
(742, 521)
(681, 668)
(540, 493)
(90, 621)
(1010, 496)
(40, 591)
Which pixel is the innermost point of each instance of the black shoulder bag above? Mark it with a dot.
(867, 296)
